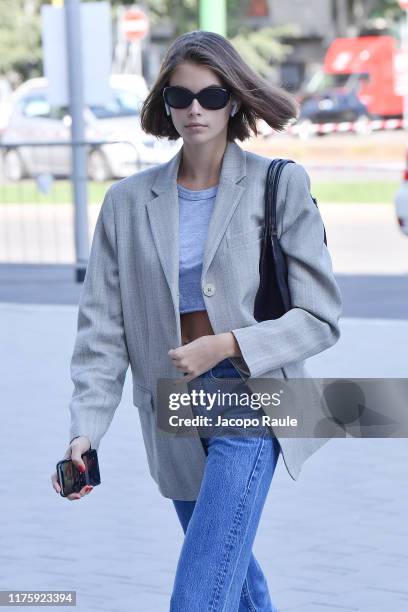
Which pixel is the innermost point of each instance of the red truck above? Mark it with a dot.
(360, 80)
(373, 60)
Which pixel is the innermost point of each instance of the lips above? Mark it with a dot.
(195, 125)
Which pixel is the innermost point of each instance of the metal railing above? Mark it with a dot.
(36, 201)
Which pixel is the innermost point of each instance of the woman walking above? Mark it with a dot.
(170, 288)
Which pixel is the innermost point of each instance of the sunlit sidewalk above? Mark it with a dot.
(336, 539)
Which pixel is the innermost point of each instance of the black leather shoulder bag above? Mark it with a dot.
(273, 296)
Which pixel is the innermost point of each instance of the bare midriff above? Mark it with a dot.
(194, 325)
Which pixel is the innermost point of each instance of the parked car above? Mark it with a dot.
(34, 119)
(401, 201)
(5, 93)
(333, 104)
(357, 82)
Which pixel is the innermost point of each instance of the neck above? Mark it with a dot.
(200, 165)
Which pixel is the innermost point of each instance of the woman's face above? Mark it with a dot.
(196, 77)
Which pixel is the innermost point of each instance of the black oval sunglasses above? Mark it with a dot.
(211, 98)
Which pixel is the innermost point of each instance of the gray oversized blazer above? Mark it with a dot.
(129, 305)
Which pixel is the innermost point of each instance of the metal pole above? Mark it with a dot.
(79, 176)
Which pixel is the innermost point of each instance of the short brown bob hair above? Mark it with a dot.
(259, 99)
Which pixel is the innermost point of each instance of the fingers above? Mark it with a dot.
(84, 491)
(77, 447)
(77, 461)
(54, 476)
(73, 452)
(55, 483)
(76, 458)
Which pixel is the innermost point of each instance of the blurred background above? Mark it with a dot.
(73, 77)
(344, 60)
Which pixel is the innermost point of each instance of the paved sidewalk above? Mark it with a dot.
(336, 540)
(362, 238)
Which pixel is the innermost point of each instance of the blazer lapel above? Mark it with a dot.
(163, 213)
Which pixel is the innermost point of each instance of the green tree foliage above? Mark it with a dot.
(20, 31)
(262, 49)
(20, 38)
(390, 9)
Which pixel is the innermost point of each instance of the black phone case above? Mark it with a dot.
(90, 458)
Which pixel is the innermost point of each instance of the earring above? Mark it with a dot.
(233, 109)
(167, 108)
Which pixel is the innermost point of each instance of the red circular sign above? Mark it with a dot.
(135, 24)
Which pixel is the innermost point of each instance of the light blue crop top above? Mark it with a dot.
(195, 208)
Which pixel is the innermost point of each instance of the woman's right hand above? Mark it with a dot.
(74, 451)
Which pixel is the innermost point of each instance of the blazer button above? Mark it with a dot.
(209, 289)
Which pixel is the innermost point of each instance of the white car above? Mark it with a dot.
(34, 120)
(401, 202)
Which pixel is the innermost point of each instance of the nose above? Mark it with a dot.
(195, 107)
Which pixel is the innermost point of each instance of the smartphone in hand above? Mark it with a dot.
(71, 480)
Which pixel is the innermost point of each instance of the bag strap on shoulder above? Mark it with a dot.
(271, 194)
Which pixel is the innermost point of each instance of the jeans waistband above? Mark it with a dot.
(225, 368)
(225, 363)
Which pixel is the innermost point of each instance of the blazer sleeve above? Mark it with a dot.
(311, 325)
(100, 358)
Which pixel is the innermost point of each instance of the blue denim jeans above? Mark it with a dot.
(217, 570)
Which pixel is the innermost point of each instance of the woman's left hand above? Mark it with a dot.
(198, 356)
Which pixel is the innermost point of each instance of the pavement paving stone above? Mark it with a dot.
(334, 540)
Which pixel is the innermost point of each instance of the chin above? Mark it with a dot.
(197, 138)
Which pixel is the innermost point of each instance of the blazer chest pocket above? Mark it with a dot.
(239, 239)
(142, 398)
